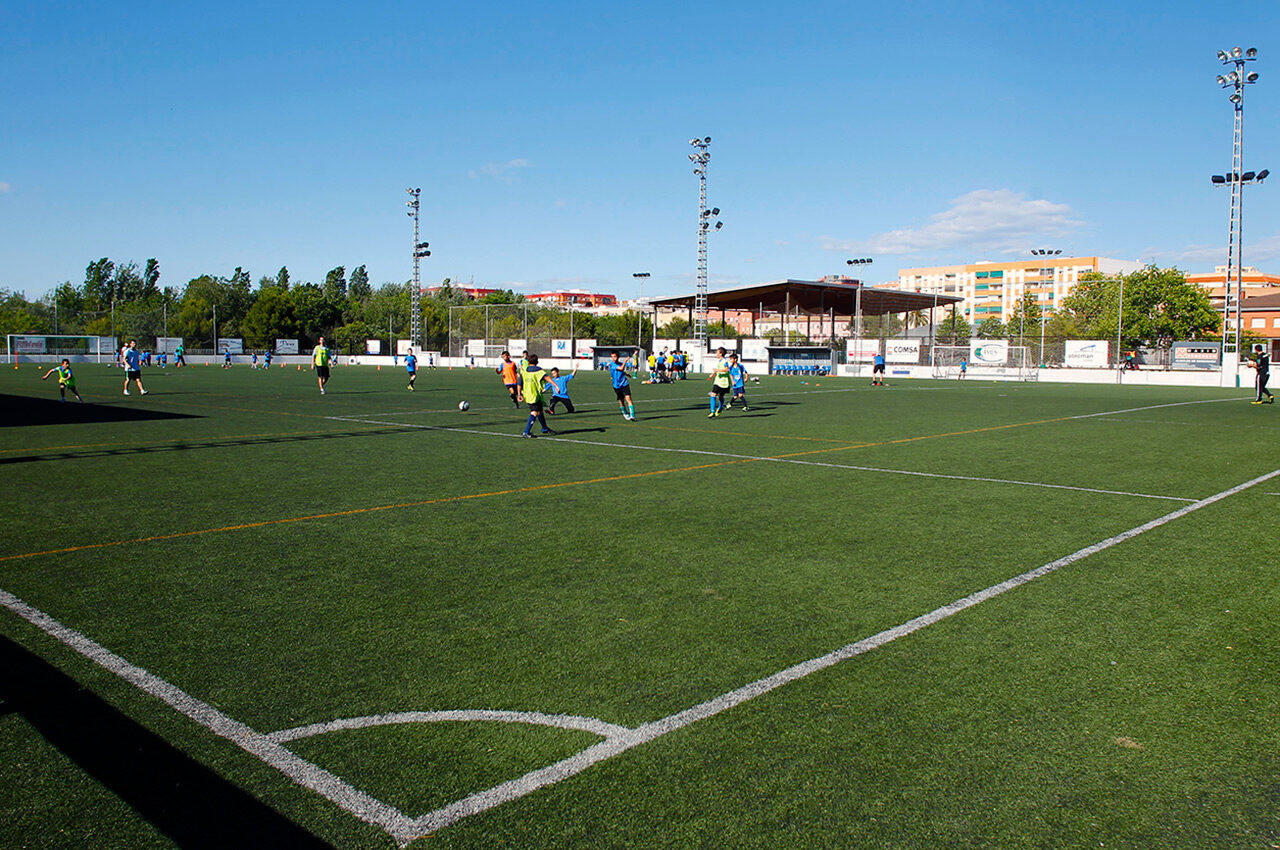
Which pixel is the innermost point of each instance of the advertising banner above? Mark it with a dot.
(373, 346)
(755, 349)
(561, 348)
(989, 352)
(1196, 355)
(286, 346)
(235, 346)
(517, 347)
(902, 351)
(862, 350)
(729, 345)
(1087, 354)
(29, 345)
(404, 346)
(167, 344)
(475, 348)
(583, 349)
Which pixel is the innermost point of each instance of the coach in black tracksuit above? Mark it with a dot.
(1262, 364)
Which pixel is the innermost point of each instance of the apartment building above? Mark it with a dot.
(992, 290)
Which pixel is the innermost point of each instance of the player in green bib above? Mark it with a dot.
(320, 363)
(720, 381)
(533, 378)
(66, 379)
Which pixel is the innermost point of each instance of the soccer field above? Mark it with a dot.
(958, 614)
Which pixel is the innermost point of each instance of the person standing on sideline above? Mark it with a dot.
(1261, 363)
(411, 366)
(533, 377)
(622, 384)
(66, 380)
(510, 373)
(877, 370)
(738, 381)
(133, 367)
(560, 390)
(320, 364)
(719, 378)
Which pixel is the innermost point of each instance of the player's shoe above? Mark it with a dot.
(1259, 401)
(126, 392)
(322, 391)
(526, 434)
(549, 431)
(144, 392)
(711, 415)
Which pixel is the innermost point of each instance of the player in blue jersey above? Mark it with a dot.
(877, 371)
(560, 390)
(133, 367)
(411, 366)
(266, 359)
(622, 384)
(737, 381)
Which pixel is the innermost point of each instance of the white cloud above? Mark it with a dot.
(984, 220)
(504, 171)
(5, 187)
(1255, 252)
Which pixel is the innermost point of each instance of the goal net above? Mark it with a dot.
(985, 364)
(51, 348)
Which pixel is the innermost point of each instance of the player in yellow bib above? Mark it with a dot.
(533, 378)
(66, 379)
(719, 379)
(320, 363)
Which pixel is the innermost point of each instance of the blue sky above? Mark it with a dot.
(550, 141)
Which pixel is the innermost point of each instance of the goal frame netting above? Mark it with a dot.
(1019, 366)
(51, 348)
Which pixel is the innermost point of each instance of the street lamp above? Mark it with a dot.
(700, 160)
(1045, 271)
(641, 277)
(1236, 79)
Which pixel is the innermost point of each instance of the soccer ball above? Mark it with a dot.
(463, 405)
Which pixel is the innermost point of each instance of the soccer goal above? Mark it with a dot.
(50, 348)
(1017, 365)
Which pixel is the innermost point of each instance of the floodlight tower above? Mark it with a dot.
(1236, 80)
(700, 160)
(1046, 271)
(419, 253)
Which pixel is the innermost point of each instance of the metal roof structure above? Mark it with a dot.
(813, 298)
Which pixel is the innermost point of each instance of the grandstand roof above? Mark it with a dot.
(813, 297)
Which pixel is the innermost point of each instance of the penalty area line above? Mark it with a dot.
(575, 764)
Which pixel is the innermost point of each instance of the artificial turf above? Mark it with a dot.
(293, 559)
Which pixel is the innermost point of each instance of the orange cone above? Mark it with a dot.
(379, 367)
(299, 367)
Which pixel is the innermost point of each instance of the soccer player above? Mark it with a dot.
(1261, 363)
(255, 359)
(719, 379)
(738, 381)
(226, 358)
(964, 369)
(560, 390)
(179, 360)
(533, 377)
(320, 364)
(411, 366)
(266, 359)
(653, 368)
(66, 380)
(133, 367)
(622, 384)
(510, 373)
(877, 370)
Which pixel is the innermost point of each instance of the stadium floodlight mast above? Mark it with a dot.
(1045, 271)
(641, 277)
(700, 160)
(857, 310)
(420, 252)
(1236, 79)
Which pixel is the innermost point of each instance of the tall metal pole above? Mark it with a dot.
(415, 293)
(641, 277)
(700, 160)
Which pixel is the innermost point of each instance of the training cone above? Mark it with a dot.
(299, 367)
(379, 367)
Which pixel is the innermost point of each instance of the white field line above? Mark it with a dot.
(1156, 407)
(405, 830)
(303, 772)
(536, 718)
(765, 458)
(575, 764)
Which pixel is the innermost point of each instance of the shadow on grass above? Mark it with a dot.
(182, 798)
(18, 410)
(192, 445)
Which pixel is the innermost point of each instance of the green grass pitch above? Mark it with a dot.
(288, 559)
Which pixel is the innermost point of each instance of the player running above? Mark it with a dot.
(133, 367)
(320, 364)
(1261, 363)
(622, 384)
(66, 380)
(719, 379)
(737, 381)
(560, 390)
(510, 373)
(533, 377)
(266, 359)
(411, 366)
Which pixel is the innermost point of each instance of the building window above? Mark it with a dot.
(1257, 323)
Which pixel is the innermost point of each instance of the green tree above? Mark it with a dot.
(953, 330)
(282, 279)
(151, 277)
(97, 282)
(1025, 320)
(502, 296)
(271, 317)
(358, 287)
(335, 283)
(677, 328)
(316, 314)
(722, 330)
(990, 328)
(1160, 306)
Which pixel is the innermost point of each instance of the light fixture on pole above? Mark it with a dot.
(420, 252)
(1236, 79)
(1045, 272)
(641, 277)
(700, 160)
(857, 309)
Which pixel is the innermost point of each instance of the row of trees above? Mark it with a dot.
(125, 300)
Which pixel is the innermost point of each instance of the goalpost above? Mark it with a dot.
(50, 348)
(1018, 366)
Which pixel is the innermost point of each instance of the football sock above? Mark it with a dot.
(528, 426)
(631, 410)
